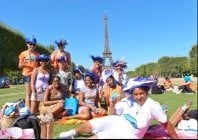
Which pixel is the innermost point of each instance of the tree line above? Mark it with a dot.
(169, 66)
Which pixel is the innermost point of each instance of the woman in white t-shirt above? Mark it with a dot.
(78, 82)
(130, 117)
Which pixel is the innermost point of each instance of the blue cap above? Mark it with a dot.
(97, 58)
(119, 62)
(91, 75)
(43, 57)
(31, 40)
(61, 59)
(61, 42)
(138, 82)
(78, 70)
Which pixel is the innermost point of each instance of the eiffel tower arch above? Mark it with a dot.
(107, 55)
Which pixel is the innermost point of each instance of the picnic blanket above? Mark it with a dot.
(69, 121)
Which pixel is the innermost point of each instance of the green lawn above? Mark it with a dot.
(171, 100)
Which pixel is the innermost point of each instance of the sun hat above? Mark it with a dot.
(61, 42)
(31, 40)
(43, 57)
(91, 75)
(106, 74)
(97, 58)
(77, 70)
(119, 62)
(138, 82)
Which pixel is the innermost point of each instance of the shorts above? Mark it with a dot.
(27, 79)
(39, 97)
(112, 127)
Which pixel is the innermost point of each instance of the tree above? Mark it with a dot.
(193, 60)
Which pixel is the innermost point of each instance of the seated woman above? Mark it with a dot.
(130, 117)
(78, 82)
(112, 89)
(188, 86)
(168, 86)
(88, 100)
(54, 100)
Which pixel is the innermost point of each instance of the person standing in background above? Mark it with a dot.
(27, 62)
(119, 74)
(97, 67)
(97, 70)
(39, 82)
(61, 53)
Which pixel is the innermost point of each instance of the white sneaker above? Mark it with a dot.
(67, 135)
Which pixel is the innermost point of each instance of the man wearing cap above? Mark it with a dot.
(27, 62)
(61, 53)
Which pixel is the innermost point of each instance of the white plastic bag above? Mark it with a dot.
(17, 133)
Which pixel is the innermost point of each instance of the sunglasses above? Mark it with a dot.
(55, 81)
(44, 60)
(32, 44)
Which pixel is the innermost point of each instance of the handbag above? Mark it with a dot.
(71, 105)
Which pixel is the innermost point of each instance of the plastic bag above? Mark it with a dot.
(16, 133)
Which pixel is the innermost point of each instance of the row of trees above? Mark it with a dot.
(169, 66)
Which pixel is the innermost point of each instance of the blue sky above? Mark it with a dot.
(141, 31)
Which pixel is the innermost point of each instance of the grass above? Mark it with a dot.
(171, 100)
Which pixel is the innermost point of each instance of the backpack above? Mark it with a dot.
(30, 121)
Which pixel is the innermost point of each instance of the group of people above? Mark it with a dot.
(49, 80)
(167, 85)
(188, 86)
(39, 77)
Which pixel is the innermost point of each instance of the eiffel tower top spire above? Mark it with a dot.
(107, 53)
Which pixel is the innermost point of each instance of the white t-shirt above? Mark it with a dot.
(141, 116)
(79, 84)
(118, 127)
(123, 77)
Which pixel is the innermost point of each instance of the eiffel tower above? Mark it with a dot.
(107, 53)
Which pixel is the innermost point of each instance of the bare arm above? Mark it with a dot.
(47, 101)
(97, 100)
(81, 100)
(22, 62)
(170, 129)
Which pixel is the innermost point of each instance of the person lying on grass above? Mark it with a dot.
(130, 117)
